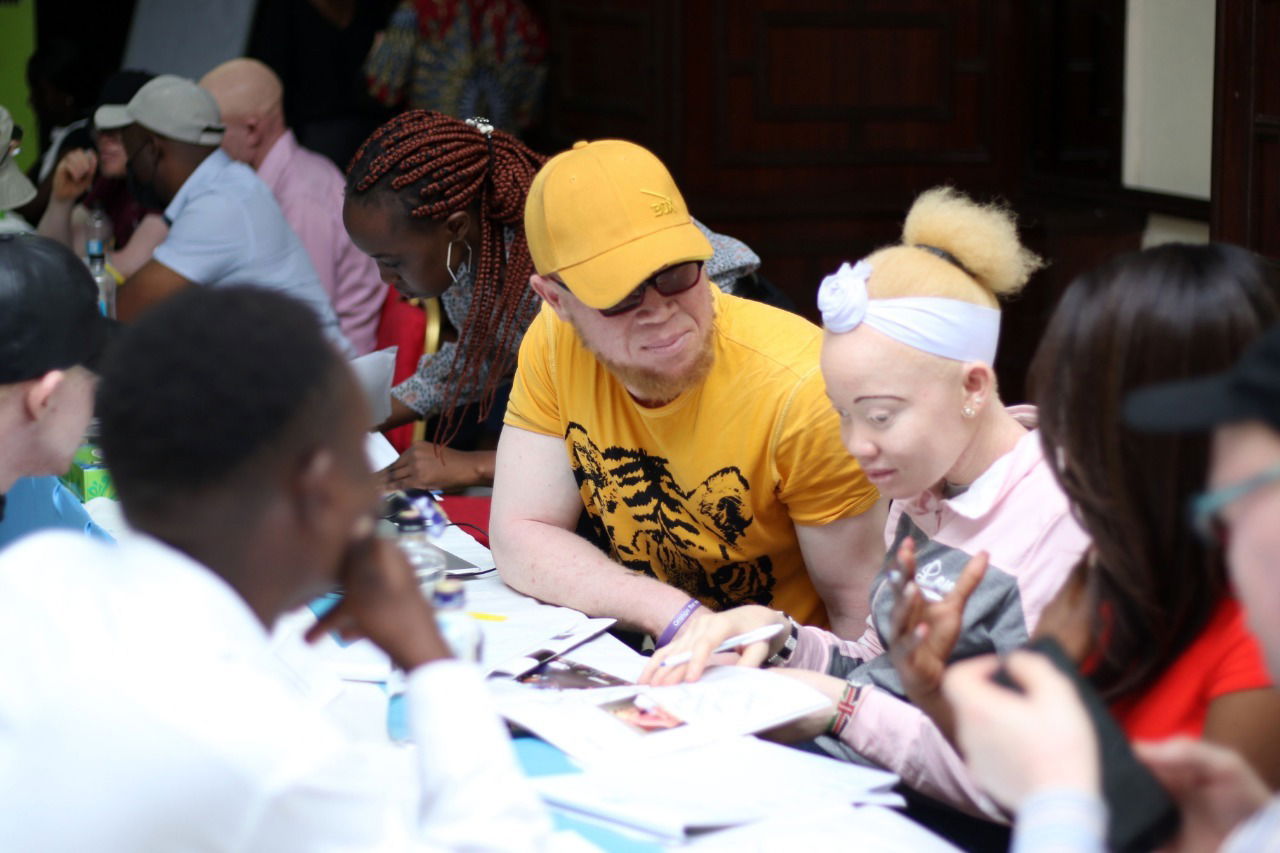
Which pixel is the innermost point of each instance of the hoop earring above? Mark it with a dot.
(463, 267)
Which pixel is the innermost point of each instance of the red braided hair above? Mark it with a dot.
(440, 165)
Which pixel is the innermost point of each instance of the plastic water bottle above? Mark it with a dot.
(459, 629)
(102, 277)
(99, 228)
(414, 540)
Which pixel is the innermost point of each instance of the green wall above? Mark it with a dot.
(17, 43)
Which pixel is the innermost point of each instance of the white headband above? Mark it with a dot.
(946, 327)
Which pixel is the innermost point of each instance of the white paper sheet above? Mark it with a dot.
(379, 451)
(373, 371)
(867, 829)
(728, 783)
(462, 544)
(609, 654)
(552, 647)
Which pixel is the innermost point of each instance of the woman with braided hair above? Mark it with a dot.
(439, 204)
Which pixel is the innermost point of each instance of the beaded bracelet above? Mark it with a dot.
(845, 709)
(682, 616)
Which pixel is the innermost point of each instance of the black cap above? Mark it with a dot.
(1248, 391)
(49, 317)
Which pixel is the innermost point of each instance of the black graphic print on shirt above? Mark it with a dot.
(643, 518)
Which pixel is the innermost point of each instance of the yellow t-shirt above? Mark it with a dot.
(702, 493)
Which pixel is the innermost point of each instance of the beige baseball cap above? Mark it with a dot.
(170, 106)
(15, 189)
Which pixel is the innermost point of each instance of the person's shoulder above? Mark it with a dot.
(52, 573)
(220, 187)
(547, 329)
(312, 176)
(58, 547)
(229, 185)
(763, 337)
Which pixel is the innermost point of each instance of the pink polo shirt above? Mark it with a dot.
(309, 190)
(1016, 512)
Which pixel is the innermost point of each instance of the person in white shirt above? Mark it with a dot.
(225, 227)
(140, 702)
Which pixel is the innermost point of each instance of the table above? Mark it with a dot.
(349, 681)
(360, 708)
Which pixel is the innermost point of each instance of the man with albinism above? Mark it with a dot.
(668, 449)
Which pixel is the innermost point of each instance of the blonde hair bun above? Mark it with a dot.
(982, 237)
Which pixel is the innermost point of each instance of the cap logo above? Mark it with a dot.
(662, 206)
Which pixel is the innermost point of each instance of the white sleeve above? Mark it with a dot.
(474, 796)
(471, 795)
(205, 241)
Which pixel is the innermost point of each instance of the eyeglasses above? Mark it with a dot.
(1206, 508)
(669, 282)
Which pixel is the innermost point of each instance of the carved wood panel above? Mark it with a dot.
(806, 127)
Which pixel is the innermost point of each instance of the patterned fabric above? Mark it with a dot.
(732, 259)
(463, 58)
(424, 391)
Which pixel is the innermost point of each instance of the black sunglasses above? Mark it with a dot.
(669, 282)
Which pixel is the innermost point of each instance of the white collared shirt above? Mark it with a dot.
(140, 710)
(225, 227)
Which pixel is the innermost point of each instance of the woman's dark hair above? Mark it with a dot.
(1166, 313)
(437, 165)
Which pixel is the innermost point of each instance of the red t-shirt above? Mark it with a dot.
(1225, 658)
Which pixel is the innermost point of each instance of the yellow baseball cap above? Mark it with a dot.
(605, 216)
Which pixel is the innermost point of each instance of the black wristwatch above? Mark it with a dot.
(783, 655)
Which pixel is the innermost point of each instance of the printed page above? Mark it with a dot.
(549, 648)
(728, 783)
(612, 724)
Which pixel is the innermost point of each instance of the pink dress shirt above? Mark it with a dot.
(1017, 513)
(309, 189)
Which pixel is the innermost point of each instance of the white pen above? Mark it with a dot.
(756, 636)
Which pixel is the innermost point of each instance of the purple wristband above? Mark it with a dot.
(676, 621)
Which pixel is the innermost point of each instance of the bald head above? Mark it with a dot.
(251, 100)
